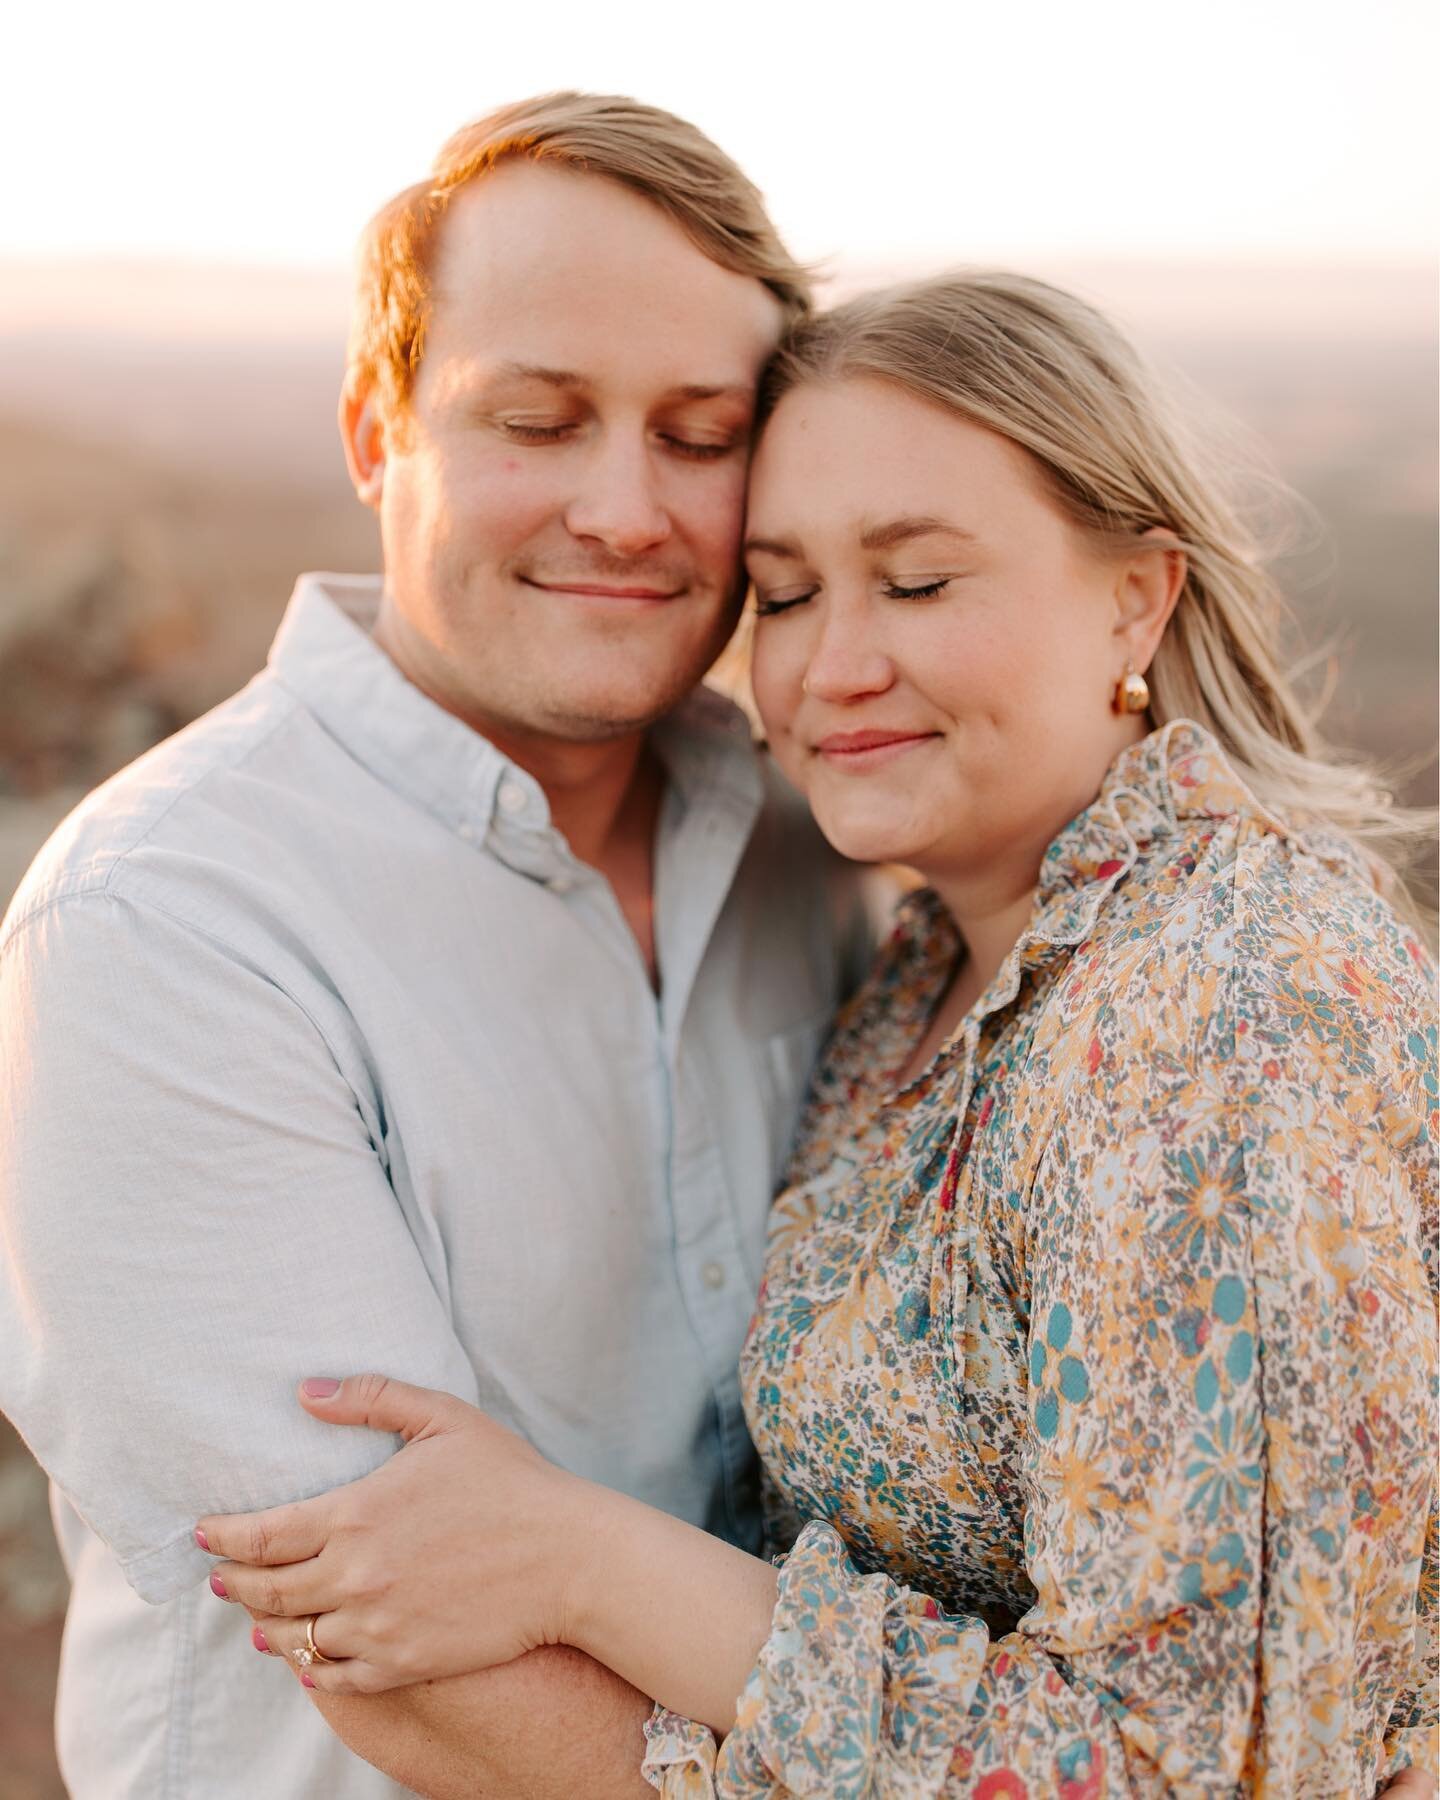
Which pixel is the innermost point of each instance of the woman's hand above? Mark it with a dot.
(455, 1555)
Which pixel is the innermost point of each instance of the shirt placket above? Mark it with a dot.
(709, 1260)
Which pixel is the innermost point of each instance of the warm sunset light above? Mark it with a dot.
(266, 132)
(407, 965)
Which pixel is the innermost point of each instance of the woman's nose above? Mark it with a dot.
(846, 663)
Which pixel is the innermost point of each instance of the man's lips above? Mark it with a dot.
(864, 749)
(605, 590)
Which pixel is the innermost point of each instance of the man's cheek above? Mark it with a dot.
(716, 528)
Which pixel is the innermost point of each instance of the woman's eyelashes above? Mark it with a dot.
(926, 590)
(767, 605)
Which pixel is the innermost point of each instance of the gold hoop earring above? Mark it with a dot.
(1132, 692)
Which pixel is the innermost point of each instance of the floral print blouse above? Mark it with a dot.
(1099, 1360)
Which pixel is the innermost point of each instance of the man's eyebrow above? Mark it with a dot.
(569, 378)
(560, 378)
(723, 390)
(894, 532)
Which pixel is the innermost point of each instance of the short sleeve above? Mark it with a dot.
(193, 1217)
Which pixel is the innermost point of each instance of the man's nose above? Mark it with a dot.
(618, 503)
(846, 662)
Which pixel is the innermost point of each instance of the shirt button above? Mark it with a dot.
(512, 797)
(560, 884)
(468, 833)
(713, 1275)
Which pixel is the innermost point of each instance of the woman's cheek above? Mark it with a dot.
(777, 671)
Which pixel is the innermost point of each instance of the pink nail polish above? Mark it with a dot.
(217, 1587)
(257, 1638)
(305, 1680)
(202, 1540)
(320, 1387)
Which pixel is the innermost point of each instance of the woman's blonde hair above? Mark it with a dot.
(1047, 371)
(664, 159)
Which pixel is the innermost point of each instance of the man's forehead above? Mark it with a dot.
(549, 266)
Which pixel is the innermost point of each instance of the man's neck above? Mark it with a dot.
(592, 789)
(587, 783)
(604, 795)
(607, 805)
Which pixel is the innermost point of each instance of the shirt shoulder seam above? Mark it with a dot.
(229, 950)
(112, 861)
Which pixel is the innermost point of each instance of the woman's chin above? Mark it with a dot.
(866, 841)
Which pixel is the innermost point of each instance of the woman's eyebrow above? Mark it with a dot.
(786, 547)
(886, 536)
(894, 532)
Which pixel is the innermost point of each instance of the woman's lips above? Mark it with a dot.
(868, 749)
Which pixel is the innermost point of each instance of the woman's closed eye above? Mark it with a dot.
(767, 605)
(925, 590)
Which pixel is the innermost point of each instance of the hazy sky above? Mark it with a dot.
(269, 130)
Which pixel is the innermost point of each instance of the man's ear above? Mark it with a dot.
(362, 432)
(1150, 579)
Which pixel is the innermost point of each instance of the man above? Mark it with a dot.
(442, 1003)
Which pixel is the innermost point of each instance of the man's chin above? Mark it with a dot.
(593, 723)
(596, 712)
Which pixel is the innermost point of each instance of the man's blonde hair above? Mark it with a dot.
(664, 159)
(1054, 376)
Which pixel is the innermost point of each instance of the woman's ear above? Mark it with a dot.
(1149, 582)
(362, 432)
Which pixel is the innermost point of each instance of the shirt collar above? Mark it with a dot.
(325, 656)
(1178, 772)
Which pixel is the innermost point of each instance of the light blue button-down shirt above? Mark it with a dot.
(319, 1052)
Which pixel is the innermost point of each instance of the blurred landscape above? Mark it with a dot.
(169, 462)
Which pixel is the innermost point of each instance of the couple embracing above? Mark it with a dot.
(454, 1001)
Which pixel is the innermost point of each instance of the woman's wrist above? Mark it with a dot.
(679, 1614)
(591, 1547)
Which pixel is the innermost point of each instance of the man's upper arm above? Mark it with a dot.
(193, 1217)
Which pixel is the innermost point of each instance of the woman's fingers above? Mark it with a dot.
(278, 1636)
(289, 1592)
(283, 1534)
(288, 1534)
(340, 1673)
(383, 1404)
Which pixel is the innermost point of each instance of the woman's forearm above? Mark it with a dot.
(675, 1612)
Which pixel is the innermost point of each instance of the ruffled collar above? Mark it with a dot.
(1178, 772)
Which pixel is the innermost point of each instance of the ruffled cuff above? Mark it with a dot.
(679, 1756)
(862, 1687)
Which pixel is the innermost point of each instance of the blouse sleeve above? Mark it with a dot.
(1228, 1469)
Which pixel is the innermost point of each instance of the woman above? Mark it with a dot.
(1094, 1362)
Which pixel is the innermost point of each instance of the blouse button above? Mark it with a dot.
(512, 797)
(713, 1275)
